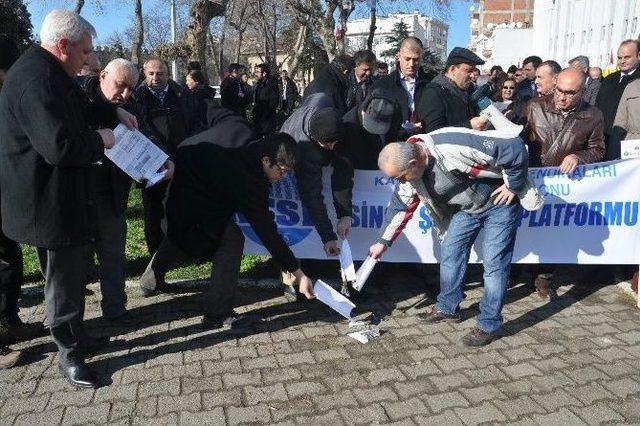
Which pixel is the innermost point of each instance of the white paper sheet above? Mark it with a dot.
(363, 272)
(136, 155)
(333, 299)
(346, 262)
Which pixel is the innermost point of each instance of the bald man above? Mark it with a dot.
(460, 206)
(115, 85)
(406, 85)
(551, 144)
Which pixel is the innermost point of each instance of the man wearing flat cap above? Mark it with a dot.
(446, 100)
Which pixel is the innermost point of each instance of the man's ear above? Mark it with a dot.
(63, 45)
(413, 162)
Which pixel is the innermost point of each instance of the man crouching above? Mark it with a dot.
(455, 173)
(220, 172)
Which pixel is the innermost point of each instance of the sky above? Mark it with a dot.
(110, 16)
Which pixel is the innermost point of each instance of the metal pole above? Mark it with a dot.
(174, 66)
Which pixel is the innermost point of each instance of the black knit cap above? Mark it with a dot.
(460, 55)
(326, 125)
(9, 52)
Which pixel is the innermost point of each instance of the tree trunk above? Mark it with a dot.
(239, 45)
(78, 7)
(214, 54)
(136, 47)
(372, 29)
(201, 13)
(297, 50)
(327, 28)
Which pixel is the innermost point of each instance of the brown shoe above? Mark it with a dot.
(434, 315)
(19, 332)
(544, 289)
(8, 357)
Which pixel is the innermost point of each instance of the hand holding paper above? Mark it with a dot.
(333, 299)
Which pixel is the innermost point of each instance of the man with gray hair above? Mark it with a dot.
(468, 181)
(546, 75)
(47, 145)
(591, 85)
(115, 85)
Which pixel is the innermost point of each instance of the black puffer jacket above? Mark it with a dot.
(333, 84)
(443, 104)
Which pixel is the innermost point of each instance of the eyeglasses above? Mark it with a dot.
(567, 93)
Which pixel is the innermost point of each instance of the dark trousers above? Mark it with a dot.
(11, 270)
(220, 297)
(64, 297)
(110, 250)
(153, 204)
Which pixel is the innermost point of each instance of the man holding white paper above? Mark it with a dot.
(468, 181)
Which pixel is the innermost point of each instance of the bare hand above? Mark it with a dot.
(108, 139)
(127, 118)
(377, 250)
(478, 123)
(569, 164)
(503, 195)
(331, 248)
(170, 168)
(306, 286)
(343, 227)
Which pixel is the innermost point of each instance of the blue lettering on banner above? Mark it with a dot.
(596, 213)
(581, 172)
(383, 181)
(425, 222)
(366, 216)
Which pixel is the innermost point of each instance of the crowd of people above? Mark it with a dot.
(61, 194)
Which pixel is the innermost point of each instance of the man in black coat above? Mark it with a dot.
(611, 91)
(288, 93)
(406, 85)
(446, 101)
(333, 81)
(111, 186)
(46, 148)
(233, 91)
(360, 80)
(221, 172)
(266, 100)
(172, 115)
(527, 87)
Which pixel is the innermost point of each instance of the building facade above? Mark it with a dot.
(431, 31)
(565, 29)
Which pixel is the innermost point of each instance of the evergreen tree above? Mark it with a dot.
(16, 22)
(431, 64)
(400, 32)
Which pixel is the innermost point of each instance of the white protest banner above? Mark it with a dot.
(589, 217)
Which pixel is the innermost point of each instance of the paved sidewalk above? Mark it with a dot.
(573, 361)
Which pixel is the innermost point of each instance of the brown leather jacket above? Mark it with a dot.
(551, 136)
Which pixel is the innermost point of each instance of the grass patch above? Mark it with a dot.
(138, 257)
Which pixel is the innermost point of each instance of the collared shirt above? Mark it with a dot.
(409, 84)
(160, 95)
(626, 74)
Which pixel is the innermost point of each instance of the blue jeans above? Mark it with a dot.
(500, 224)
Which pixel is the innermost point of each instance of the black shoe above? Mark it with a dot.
(8, 357)
(231, 321)
(92, 345)
(80, 375)
(478, 337)
(161, 287)
(434, 315)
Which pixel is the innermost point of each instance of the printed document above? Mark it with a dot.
(333, 299)
(136, 155)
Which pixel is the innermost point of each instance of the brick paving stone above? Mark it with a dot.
(65, 398)
(211, 368)
(163, 387)
(330, 354)
(330, 418)
(96, 413)
(364, 415)
(560, 417)
(328, 401)
(291, 408)
(448, 418)
(256, 414)
(453, 364)
(624, 387)
(556, 399)
(438, 403)
(13, 406)
(412, 388)
(190, 370)
(480, 414)
(586, 374)
(206, 418)
(450, 381)
(426, 353)
(41, 418)
(401, 409)
(482, 393)
(345, 381)
(376, 394)
(618, 368)
(241, 379)
(201, 384)
(484, 359)
(272, 375)
(222, 398)
(515, 408)
(146, 407)
(489, 374)
(297, 389)
(597, 414)
(518, 371)
(385, 375)
(122, 410)
(590, 393)
(420, 369)
(255, 395)
(116, 393)
(286, 360)
(176, 404)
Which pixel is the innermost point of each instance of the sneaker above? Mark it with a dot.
(478, 337)
(544, 289)
(8, 357)
(434, 315)
(18, 331)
